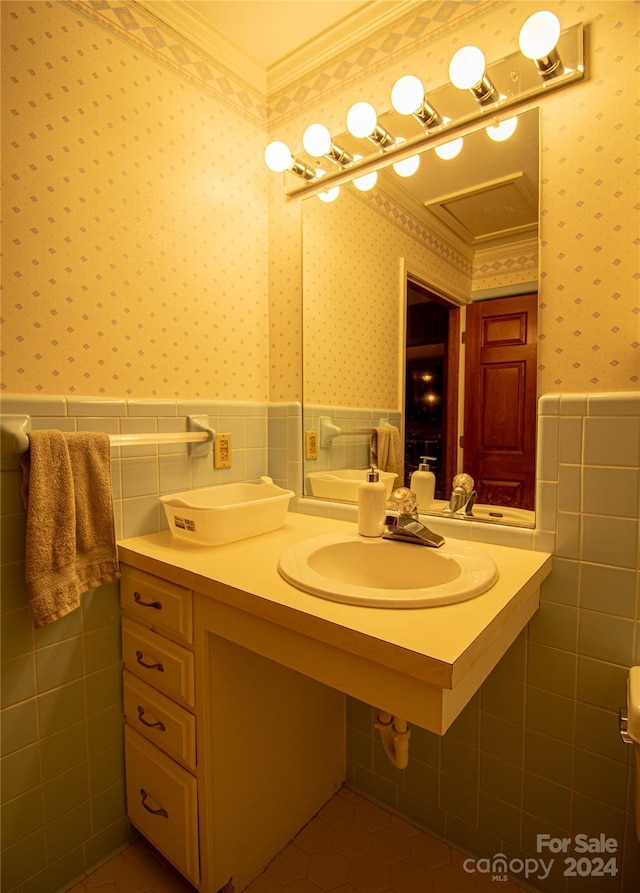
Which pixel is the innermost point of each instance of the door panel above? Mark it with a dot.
(500, 400)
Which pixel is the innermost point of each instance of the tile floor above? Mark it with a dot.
(350, 846)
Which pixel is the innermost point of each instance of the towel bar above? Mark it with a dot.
(329, 430)
(200, 437)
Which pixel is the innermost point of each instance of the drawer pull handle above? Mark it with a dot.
(157, 666)
(143, 799)
(138, 599)
(150, 725)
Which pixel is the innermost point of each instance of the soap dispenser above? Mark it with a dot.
(423, 484)
(371, 505)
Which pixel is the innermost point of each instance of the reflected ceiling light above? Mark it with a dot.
(467, 71)
(408, 166)
(278, 158)
(500, 131)
(327, 195)
(366, 182)
(317, 142)
(407, 98)
(362, 122)
(538, 39)
(451, 149)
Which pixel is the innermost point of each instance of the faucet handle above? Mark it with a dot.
(465, 481)
(404, 501)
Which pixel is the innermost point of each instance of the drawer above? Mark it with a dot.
(159, 662)
(159, 720)
(162, 803)
(157, 603)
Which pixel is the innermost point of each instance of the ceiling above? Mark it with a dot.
(271, 30)
(272, 43)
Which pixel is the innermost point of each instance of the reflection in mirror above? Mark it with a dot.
(391, 278)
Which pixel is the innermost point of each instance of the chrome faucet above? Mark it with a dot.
(402, 522)
(463, 496)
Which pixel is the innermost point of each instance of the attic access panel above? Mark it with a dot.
(493, 210)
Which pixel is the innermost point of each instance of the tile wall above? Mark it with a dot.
(345, 451)
(536, 751)
(63, 802)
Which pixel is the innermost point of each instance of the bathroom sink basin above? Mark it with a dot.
(387, 574)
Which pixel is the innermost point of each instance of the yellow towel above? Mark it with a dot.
(386, 451)
(70, 539)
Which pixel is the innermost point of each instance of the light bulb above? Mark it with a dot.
(407, 95)
(367, 181)
(278, 157)
(502, 130)
(408, 166)
(361, 120)
(450, 150)
(316, 140)
(539, 35)
(467, 68)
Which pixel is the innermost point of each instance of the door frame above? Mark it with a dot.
(457, 301)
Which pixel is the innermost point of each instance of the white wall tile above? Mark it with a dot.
(610, 541)
(547, 451)
(570, 440)
(569, 488)
(611, 491)
(612, 441)
(573, 404)
(620, 403)
(568, 535)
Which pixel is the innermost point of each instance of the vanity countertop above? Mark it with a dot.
(452, 647)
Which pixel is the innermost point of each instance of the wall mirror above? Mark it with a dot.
(392, 278)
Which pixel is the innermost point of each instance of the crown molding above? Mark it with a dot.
(337, 41)
(188, 23)
(334, 42)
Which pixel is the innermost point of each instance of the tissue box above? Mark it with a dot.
(217, 515)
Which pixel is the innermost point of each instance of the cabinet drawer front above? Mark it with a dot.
(163, 664)
(161, 721)
(162, 803)
(157, 603)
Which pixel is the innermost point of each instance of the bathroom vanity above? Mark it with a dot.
(235, 683)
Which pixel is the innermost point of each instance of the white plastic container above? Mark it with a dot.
(343, 483)
(371, 505)
(423, 484)
(224, 514)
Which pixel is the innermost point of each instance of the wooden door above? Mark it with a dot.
(500, 400)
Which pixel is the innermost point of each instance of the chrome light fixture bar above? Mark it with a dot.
(520, 86)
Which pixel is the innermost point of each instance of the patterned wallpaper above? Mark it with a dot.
(590, 310)
(135, 256)
(351, 278)
(136, 200)
(508, 265)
